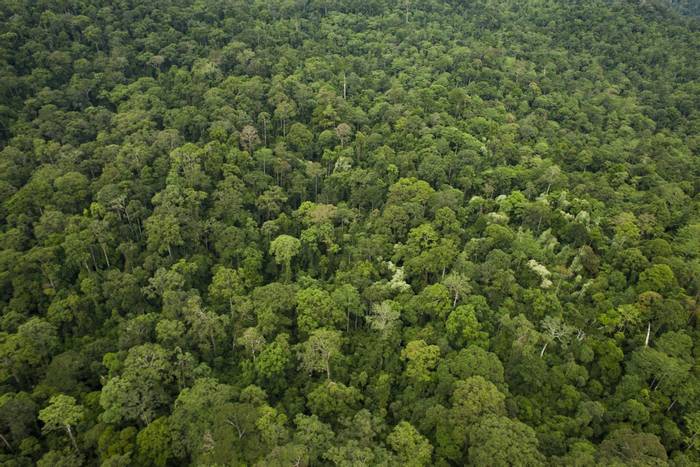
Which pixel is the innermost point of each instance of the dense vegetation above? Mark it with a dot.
(336, 232)
(689, 7)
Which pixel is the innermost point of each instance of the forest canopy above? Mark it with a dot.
(337, 232)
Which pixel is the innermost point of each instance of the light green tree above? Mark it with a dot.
(385, 317)
(316, 353)
(412, 449)
(62, 413)
(421, 359)
(284, 248)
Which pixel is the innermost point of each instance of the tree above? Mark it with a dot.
(332, 400)
(348, 299)
(264, 118)
(249, 138)
(473, 399)
(463, 328)
(320, 348)
(170, 333)
(687, 242)
(285, 110)
(206, 327)
(343, 132)
(253, 341)
(411, 448)
(657, 278)
(385, 318)
(71, 190)
(476, 361)
(300, 137)
(425, 254)
(314, 170)
(420, 359)
(692, 422)
(316, 436)
(271, 425)
(154, 443)
(63, 458)
(284, 248)
(626, 230)
(208, 423)
(141, 390)
(273, 305)
(555, 330)
(316, 309)
(225, 286)
(500, 441)
(17, 418)
(163, 233)
(271, 201)
(62, 413)
(628, 448)
(354, 452)
(458, 285)
(274, 360)
(30, 347)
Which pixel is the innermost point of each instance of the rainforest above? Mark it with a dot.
(349, 233)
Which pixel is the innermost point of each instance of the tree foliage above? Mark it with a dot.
(349, 233)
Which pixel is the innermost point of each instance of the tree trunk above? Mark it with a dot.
(646, 341)
(94, 261)
(4, 440)
(72, 438)
(104, 252)
(237, 427)
(50, 281)
(673, 402)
